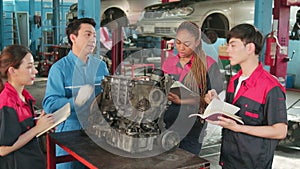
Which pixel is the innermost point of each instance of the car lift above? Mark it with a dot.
(281, 14)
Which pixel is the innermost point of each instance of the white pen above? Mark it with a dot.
(73, 87)
(36, 118)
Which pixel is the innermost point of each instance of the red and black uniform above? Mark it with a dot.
(16, 117)
(176, 116)
(262, 102)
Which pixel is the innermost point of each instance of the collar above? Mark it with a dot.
(188, 64)
(250, 82)
(25, 93)
(76, 60)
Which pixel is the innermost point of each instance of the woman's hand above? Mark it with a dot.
(211, 94)
(174, 98)
(44, 121)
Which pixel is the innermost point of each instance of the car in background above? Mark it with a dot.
(210, 15)
(128, 10)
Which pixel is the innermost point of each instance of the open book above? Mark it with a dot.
(181, 90)
(59, 115)
(220, 108)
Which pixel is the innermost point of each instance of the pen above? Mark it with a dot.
(36, 118)
(74, 87)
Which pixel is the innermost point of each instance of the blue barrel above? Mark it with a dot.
(290, 80)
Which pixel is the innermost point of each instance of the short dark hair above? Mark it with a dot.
(248, 34)
(74, 26)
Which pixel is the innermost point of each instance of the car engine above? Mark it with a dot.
(128, 114)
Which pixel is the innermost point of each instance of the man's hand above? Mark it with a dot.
(84, 93)
(226, 123)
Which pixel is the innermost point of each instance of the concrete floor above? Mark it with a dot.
(285, 158)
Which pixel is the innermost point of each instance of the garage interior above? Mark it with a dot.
(40, 26)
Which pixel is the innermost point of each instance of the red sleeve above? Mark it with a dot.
(209, 61)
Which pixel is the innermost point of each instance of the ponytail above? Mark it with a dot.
(11, 56)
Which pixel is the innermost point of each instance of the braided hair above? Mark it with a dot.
(196, 79)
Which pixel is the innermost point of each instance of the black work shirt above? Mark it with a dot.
(15, 119)
(262, 102)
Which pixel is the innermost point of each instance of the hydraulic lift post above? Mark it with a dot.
(281, 13)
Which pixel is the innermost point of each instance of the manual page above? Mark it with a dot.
(220, 108)
(182, 91)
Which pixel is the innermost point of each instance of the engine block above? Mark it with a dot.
(128, 113)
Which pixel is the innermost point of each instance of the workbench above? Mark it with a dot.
(80, 147)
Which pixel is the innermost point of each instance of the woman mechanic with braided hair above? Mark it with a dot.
(190, 68)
